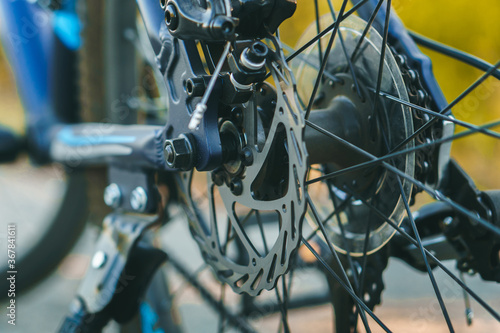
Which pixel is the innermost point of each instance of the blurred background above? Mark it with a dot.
(470, 26)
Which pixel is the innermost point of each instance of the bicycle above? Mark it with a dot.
(261, 137)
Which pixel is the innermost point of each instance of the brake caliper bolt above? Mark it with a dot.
(139, 199)
(112, 195)
(171, 18)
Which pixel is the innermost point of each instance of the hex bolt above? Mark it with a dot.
(171, 17)
(247, 156)
(179, 153)
(236, 186)
(139, 199)
(254, 56)
(195, 87)
(99, 260)
(112, 195)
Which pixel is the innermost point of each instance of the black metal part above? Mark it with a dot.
(180, 152)
(129, 179)
(260, 18)
(452, 235)
(189, 20)
(195, 87)
(179, 61)
(246, 73)
(112, 288)
(232, 94)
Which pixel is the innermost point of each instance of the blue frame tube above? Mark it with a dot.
(28, 42)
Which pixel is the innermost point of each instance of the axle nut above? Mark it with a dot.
(179, 153)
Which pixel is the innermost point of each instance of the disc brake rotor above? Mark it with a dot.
(246, 216)
(379, 129)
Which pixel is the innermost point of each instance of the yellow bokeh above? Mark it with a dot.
(469, 26)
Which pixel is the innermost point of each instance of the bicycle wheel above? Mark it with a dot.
(47, 205)
(349, 130)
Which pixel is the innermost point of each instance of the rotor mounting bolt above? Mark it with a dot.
(171, 17)
(179, 153)
(247, 156)
(112, 195)
(236, 187)
(99, 260)
(139, 199)
(163, 4)
(237, 116)
(218, 177)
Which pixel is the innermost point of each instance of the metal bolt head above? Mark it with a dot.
(247, 156)
(195, 87)
(179, 153)
(171, 18)
(99, 260)
(112, 195)
(447, 221)
(236, 187)
(139, 199)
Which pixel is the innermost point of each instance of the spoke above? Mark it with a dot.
(335, 255)
(349, 62)
(341, 208)
(424, 257)
(285, 301)
(261, 229)
(324, 32)
(390, 156)
(431, 256)
(435, 194)
(441, 116)
(284, 320)
(453, 53)
(232, 319)
(349, 290)
(318, 30)
(382, 55)
(365, 31)
(222, 317)
(325, 61)
(449, 106)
